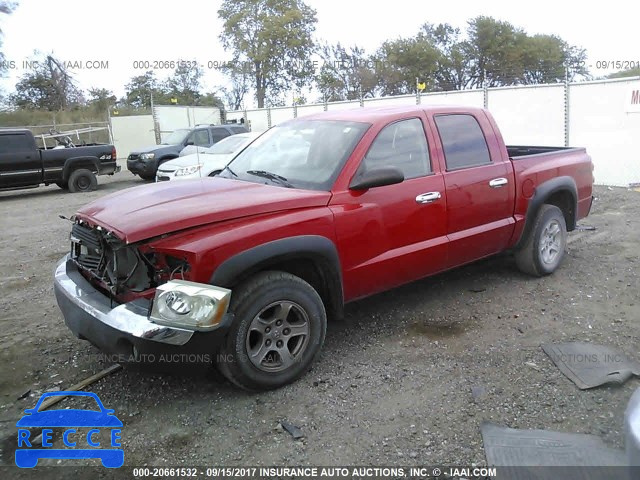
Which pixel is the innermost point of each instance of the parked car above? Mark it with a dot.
(24, 165)
(318, 211)
(209, 162)
(145, 162)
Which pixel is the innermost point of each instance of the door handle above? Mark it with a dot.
(428, 197)
(498, 182)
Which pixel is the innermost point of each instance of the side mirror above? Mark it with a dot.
(378, 177)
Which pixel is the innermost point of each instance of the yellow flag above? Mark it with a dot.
(422, 86)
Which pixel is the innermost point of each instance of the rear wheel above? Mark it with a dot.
(546, 245)
(280, 325)
(82, 180)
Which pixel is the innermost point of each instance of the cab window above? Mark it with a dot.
(463, 142)
(402, 145)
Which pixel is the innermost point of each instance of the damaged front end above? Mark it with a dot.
(125, 272)
(134, 288)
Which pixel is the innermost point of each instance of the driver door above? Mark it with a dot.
(393, 234)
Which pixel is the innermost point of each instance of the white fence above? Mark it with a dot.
(132, 133)
(600, 116)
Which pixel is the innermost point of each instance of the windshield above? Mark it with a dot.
(176, 137)
(228, 145)
(305, 154)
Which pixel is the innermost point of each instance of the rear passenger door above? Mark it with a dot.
(479, 188)
(392, 234)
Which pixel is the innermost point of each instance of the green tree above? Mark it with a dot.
(50, 86)
(139, 90)
(345, 73)
(239, 76)
(632, 72)
(185, 83)
(399, 62)
(211, 99)
(496, 51)
(101, 99)
(273, 41)
(547, 58)
(455, 70)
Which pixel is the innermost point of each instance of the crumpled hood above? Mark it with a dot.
(148, 211)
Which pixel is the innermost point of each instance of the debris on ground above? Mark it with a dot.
(294, 431)
(589, 365)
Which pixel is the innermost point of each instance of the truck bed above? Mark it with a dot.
(516, 152)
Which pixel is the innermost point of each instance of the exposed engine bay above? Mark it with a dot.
(121, 269)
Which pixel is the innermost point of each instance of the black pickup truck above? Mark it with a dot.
(23, 164)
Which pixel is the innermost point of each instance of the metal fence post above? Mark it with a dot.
(268, 118)
(156, 127)
(567, 119)
(485, 91)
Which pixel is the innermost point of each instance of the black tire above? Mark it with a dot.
(246, 359)
(147, 178)
(544, 250)
(82, 180)
(214, 173)
(63, 185)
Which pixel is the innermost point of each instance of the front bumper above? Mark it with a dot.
(142, 167)
(125, 329)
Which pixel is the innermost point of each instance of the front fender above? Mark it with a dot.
(319, 249)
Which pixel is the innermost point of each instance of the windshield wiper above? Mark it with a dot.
(271, 176)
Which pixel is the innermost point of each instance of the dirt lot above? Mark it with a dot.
(393, 385)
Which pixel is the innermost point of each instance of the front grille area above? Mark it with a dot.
(86, 247)
(108, 263)
(163, 179)
(133, 156)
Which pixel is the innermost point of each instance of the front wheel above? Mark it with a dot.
(280, 325)
(546, 245)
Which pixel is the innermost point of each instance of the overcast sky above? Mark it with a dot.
(122, 32)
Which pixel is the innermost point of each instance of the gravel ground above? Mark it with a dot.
(394, 383)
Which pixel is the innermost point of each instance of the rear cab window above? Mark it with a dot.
(463, 141)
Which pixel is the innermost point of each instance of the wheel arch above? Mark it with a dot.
(74, 163)
(313, 258)
(559, 191)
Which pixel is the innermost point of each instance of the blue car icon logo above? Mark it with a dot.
(27, 455)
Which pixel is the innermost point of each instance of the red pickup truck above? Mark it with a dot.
(244, 269)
